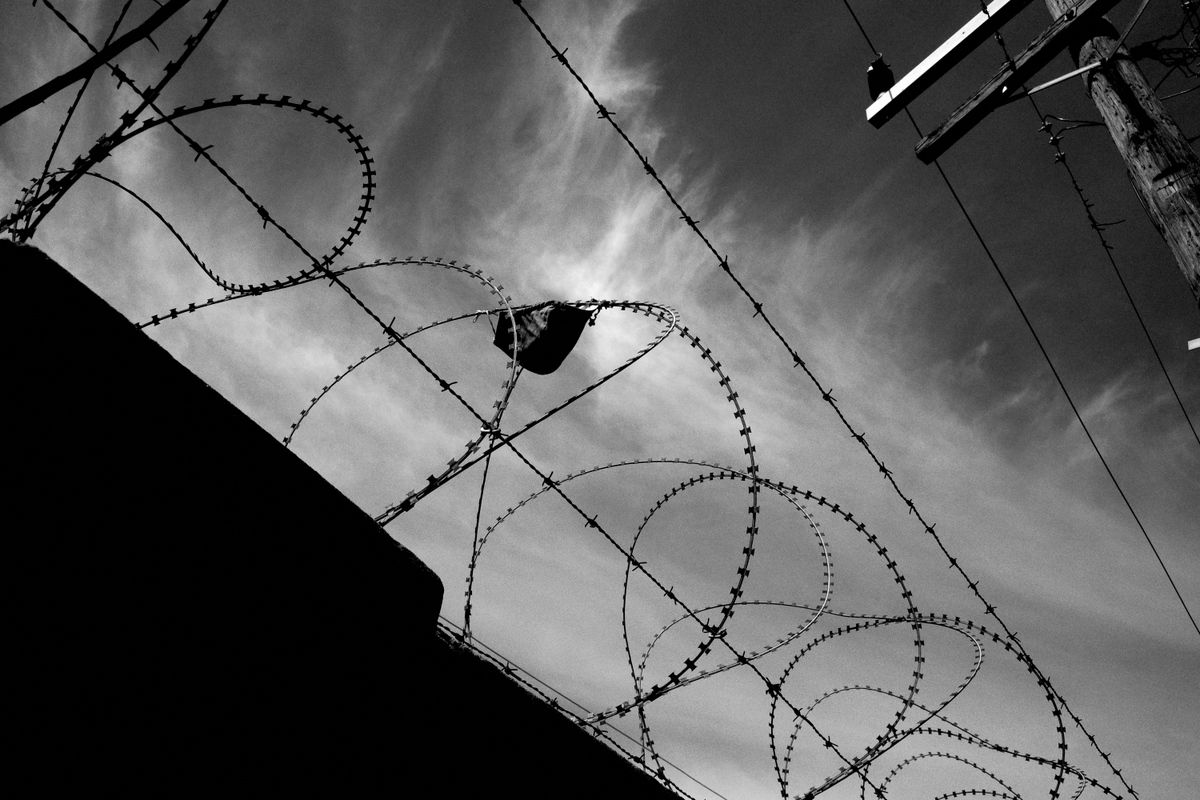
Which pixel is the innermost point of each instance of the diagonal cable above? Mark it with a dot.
(1060, 157)
(62, 129)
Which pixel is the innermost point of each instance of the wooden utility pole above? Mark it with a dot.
(1163, 167)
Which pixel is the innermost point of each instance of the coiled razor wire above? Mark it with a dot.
(816, 625)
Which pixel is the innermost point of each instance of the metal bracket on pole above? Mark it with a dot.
(943, 59)
(1008, 80)
(1027, 92)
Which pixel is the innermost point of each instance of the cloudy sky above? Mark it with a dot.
(488, 153)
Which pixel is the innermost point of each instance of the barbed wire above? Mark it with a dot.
(104, 147)
(716, 652)
(83, 87)
(605, 114)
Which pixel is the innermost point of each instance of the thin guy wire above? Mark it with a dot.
(1078, 721)
(1183, 92)
(1037, 340)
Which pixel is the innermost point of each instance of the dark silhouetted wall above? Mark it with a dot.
(195, 609)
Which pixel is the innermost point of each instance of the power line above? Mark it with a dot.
(1061, 158)
(999, 272)
(1058, 379)
(861, 29)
